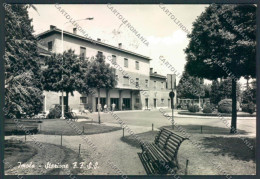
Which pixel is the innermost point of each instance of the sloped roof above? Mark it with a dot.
(56, 30)
(157, 75)
(41, 49)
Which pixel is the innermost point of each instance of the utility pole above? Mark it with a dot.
(171, 95)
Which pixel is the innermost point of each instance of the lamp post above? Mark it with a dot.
(62, 49)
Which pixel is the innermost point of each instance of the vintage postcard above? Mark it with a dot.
(130, 89)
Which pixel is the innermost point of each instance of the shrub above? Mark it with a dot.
(138, 106)
(183, 106)
(225, 106)
(55, 112)
(249, 108)
(193, 108)
(207, 109)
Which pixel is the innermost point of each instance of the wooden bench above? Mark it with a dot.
(155, 156)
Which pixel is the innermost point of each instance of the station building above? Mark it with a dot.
(138, 87)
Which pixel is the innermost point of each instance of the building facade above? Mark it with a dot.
(138, 87)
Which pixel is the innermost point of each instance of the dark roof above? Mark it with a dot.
(56, 30)
(157, 75)
(42, 51)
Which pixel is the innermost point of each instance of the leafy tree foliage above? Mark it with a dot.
(23, 92)
(223, 44)
(222, 90)
(225, 89)
(190, 87)
(207, 88)
(249, 95)
(67, 65)
(215, 95)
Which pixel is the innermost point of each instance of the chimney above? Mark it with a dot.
(120, 45)
(52, 27)
(151, 70)
(98, 39)
(75, 30)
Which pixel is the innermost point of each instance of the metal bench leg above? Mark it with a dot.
(177, 163)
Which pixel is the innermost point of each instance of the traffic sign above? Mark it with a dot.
(171, 94)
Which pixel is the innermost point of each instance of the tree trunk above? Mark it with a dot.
(67, 102)
(99, 106)
(234, 107)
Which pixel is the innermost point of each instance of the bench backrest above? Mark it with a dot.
(169, 142)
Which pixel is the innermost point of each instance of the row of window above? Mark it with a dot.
(84, 100)
(125, 62)
(82, 55)
(126, 83)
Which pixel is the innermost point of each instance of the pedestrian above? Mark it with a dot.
(99, 107)
(105, 108)
(113, 106)
(123, 106)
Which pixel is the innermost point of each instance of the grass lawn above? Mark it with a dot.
(58, 126)
(226, 150)
(145, 137)
(19, 128)
(17, 151)
(190, 129)
(233, 147)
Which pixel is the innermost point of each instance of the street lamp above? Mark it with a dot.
(62, 96)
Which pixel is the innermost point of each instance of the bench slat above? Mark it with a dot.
(172, 147)
(157, 153)
(163, 153)
(182, 137)
(173, 141)
(176, 136)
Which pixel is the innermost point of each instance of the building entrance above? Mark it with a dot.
(126, 104)
(116, 102)
(102, 102)
(146, 103)
(154, 103)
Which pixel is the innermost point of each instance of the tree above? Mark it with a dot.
(207, 89)
(222, 90)
(23, 92)
(215, 95)
(223, 44)
(225, 89)
(100, 75)
(190, 87)
(67, 65)
(249, 95)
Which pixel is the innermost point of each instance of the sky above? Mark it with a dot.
(164, 36)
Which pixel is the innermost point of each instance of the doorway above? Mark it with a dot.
(126, 104)
(154, 103)
(102, 102)
(116, 102)
(146, 103)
